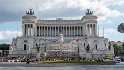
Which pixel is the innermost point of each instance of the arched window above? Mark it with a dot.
(84, 44)
(24, 46)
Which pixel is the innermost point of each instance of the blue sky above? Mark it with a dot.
(110, 14)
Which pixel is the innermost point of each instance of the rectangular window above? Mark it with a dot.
(25, 40)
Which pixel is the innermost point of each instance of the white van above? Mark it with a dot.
(117, 60)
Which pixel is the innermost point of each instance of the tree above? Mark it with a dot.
(120, 28)
(4, 47)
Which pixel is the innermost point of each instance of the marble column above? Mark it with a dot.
(31, 29)
(52, 31)
(66, 31)
(55, 30)
(58, 30)
(82, 32)
(28, 29)
(69, 30)
(25, 30)
(95, 30)
(63, 30)
(44, 30)
(39, 31)
(49, 30)
(90, 29)
(74, 30)
(77, 30)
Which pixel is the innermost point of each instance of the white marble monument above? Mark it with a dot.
(46, 34)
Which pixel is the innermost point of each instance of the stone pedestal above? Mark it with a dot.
(38, 56)
(88, 56)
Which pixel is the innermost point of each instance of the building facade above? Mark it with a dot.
(60, 38)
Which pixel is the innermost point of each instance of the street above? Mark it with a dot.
(35, 66)
(31, 66)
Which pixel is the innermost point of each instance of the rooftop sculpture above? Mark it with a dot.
(88, 12)
(30, 12)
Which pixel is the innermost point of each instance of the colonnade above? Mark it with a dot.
(28, 30)
(55, 30)
(91, 29)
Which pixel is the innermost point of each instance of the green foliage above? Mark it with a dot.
(4, 47)
(119, 50)
(79, 62)
(120, 28)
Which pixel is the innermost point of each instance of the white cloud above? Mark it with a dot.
(112, 34)
(6, 36)
(59, 8)
(113, 2)
(51, 4)
(104, 12)
(100, 8)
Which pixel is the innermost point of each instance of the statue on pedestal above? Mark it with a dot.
(88, 12)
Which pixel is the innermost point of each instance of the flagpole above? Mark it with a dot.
(17, 30)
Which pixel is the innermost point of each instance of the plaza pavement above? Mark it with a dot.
(31, 66)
